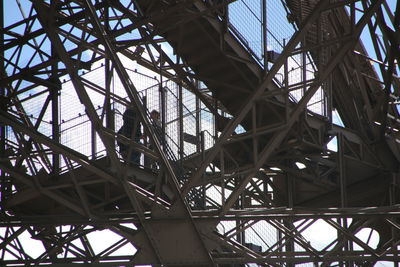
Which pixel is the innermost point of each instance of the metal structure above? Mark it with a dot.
(248, 166)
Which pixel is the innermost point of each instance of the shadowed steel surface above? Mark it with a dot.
(276, 141)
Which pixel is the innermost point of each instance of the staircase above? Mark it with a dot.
(231, 74)
(357, 94)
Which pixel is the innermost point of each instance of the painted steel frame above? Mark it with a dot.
(198, 226)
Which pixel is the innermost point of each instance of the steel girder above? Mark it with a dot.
(96, 194)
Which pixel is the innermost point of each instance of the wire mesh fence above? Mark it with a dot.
(76, 128)
(269, 30)
(246, 24)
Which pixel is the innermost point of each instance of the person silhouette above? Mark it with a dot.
(131, 128)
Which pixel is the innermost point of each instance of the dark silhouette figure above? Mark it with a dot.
(130, 129)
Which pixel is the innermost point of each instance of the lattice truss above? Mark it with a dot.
(278, 143)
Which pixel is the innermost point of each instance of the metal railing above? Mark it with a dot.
(155, 98)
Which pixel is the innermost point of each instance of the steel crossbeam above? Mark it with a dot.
(248, 172)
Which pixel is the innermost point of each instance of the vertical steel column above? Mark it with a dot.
(2, 104)
(342, 172)
(289, 223)
(54, 91)
(343, 189)
(392, 201)
(222, 170)
(162, 95)
(304, 68)
(93, 141)
(342, 182)
(146, 160)
(200, 141)
(319, 65)
(290, 189)
(255, 138)
(286, 85)
(180, 112)
(290, 244)
(329, 92)
(240, 236)
(279, 237)
(215, 112)
(110, 119)
(198, 117)
(225, 23)
(110, 111)
(264, 33)
(203, 155)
